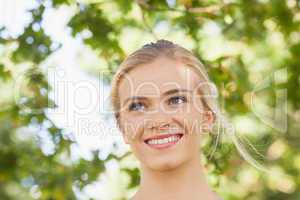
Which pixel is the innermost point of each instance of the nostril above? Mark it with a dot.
(164, 127)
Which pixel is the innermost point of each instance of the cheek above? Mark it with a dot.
(132, 127)
(192, 124)
(192, 120)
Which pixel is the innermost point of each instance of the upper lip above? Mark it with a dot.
(162, 136)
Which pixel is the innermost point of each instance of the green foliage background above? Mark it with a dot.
(255, 40)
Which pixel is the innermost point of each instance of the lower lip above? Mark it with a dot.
(164, 146)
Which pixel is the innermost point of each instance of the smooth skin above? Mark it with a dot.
(174, 173)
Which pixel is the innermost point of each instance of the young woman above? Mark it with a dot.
(164, 103)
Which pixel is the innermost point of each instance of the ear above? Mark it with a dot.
(209, 119)
(125, 138)
(122, 130)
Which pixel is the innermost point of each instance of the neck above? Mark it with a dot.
(184, 182)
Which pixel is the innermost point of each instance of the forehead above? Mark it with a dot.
(155, 78)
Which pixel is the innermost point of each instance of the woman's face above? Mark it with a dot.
(162, 116)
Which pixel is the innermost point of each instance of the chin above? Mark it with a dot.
(164, 164)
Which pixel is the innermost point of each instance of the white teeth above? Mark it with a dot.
(164, 141)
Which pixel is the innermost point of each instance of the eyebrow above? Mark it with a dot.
(169, 92)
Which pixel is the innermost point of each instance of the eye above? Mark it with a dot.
(177, 100)
(135, 106)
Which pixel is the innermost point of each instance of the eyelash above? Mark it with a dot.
(183, 98)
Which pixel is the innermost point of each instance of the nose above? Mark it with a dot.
(160, 126)
(159, 121)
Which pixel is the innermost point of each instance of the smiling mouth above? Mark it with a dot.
(164, 141)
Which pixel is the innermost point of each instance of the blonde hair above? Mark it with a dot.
(147, 54)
